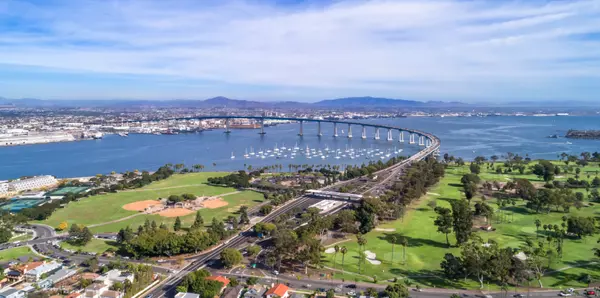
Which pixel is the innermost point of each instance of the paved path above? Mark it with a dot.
(116, 220)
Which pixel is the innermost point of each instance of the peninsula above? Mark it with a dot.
(583, 134)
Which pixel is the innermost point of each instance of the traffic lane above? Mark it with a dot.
(345, 288)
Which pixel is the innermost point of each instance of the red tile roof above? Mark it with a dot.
(73, 295)
(278, 289)
(220, 278)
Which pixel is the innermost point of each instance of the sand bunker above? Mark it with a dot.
(385, 230)
(214, 203)
(370, 256)
(140, 205)
(174, 212)
(330, 250)
(433, 194)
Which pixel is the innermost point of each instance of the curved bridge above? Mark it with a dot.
(427, 140)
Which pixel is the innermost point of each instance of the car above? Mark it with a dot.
(307, 285)
(321, 290)
(275, 272)
(351, 293)
(518, 295)
(590, 292)
(565, 294)
(351, 286)
(337, 289)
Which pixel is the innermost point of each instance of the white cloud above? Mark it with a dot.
(413, 48)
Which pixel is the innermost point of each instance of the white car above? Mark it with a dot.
(565, 294)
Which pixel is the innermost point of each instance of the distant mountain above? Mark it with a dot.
(367, 101)
(221, 102)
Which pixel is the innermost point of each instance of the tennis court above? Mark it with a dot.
(16, 205)
(67, 189)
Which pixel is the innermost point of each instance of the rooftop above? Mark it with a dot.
(278, 289)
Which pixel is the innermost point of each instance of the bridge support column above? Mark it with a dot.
(411, 138)
(421, 141)
(427, 143)
(319, 126)
(401, 137)
(349, 131)
(262, 126)
(335, 134)
(364, 132)
(389, 135)
(377, 133)
(227, 130)
(301, 133)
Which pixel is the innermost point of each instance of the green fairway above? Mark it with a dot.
(14, 253)
(94, 246)
(247, 198)
(108, 207)
(426, 247)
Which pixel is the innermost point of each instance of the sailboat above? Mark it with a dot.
(232, 156)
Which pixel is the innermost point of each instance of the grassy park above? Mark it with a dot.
(94, 246)
(14, 253)
(426, 247)
(108, 207)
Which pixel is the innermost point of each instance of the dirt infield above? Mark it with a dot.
(140, 205)
(174, 212)
(215, 203)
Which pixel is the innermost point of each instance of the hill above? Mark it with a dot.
(367, 101)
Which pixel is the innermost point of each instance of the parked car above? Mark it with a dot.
(590, 292)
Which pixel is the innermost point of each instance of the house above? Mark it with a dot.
(114, 276)
(17, 273)
(220, 279)
(10, 292)
(112, 294)
(94, 290)
(297, 295)
(278, 290)
(36, 273)
(55, 278)
(233, 292)
(186, 295)
(73, 295)
(256, 291)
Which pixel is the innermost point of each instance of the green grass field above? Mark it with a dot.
(108, 207)
(427, 247)
(14, 253)
(21, 237)
(248, 198)
(95, 246)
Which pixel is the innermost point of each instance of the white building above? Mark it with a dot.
(35, 274)
(3, 188)
(32, 183)
(114, 276)
(10, 292)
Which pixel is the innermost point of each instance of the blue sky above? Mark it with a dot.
(472, 51)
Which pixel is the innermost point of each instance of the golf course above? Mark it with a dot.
(512, 225)
(106, 212)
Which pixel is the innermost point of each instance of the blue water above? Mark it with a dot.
(464, 137)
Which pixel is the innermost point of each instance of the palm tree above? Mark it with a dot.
(337, 249)
(393, 240)
(538, 223)
(361, 246)
(343, 250)
(404, 243)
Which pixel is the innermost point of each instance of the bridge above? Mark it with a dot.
(414, 136)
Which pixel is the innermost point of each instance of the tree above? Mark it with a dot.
(477, 258)
(545, 170)
(393, 240)
(266, 209)
(253, 250)
(470, 178)
(474, 168)
(244, 219)
(404, 243)
(470, 190)
(62, 226)
(396, 290)
(336, 249)
(462, 222)
(177, 224)
(453, 267)
(330, 293)
(444, 222)
(538, 223)
(230, 257)
(344, 251)
(198, 221)
(537, 258)
(581, 226)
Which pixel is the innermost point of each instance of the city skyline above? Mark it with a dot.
(304, 51)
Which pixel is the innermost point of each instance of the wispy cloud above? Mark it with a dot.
(422, 49)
